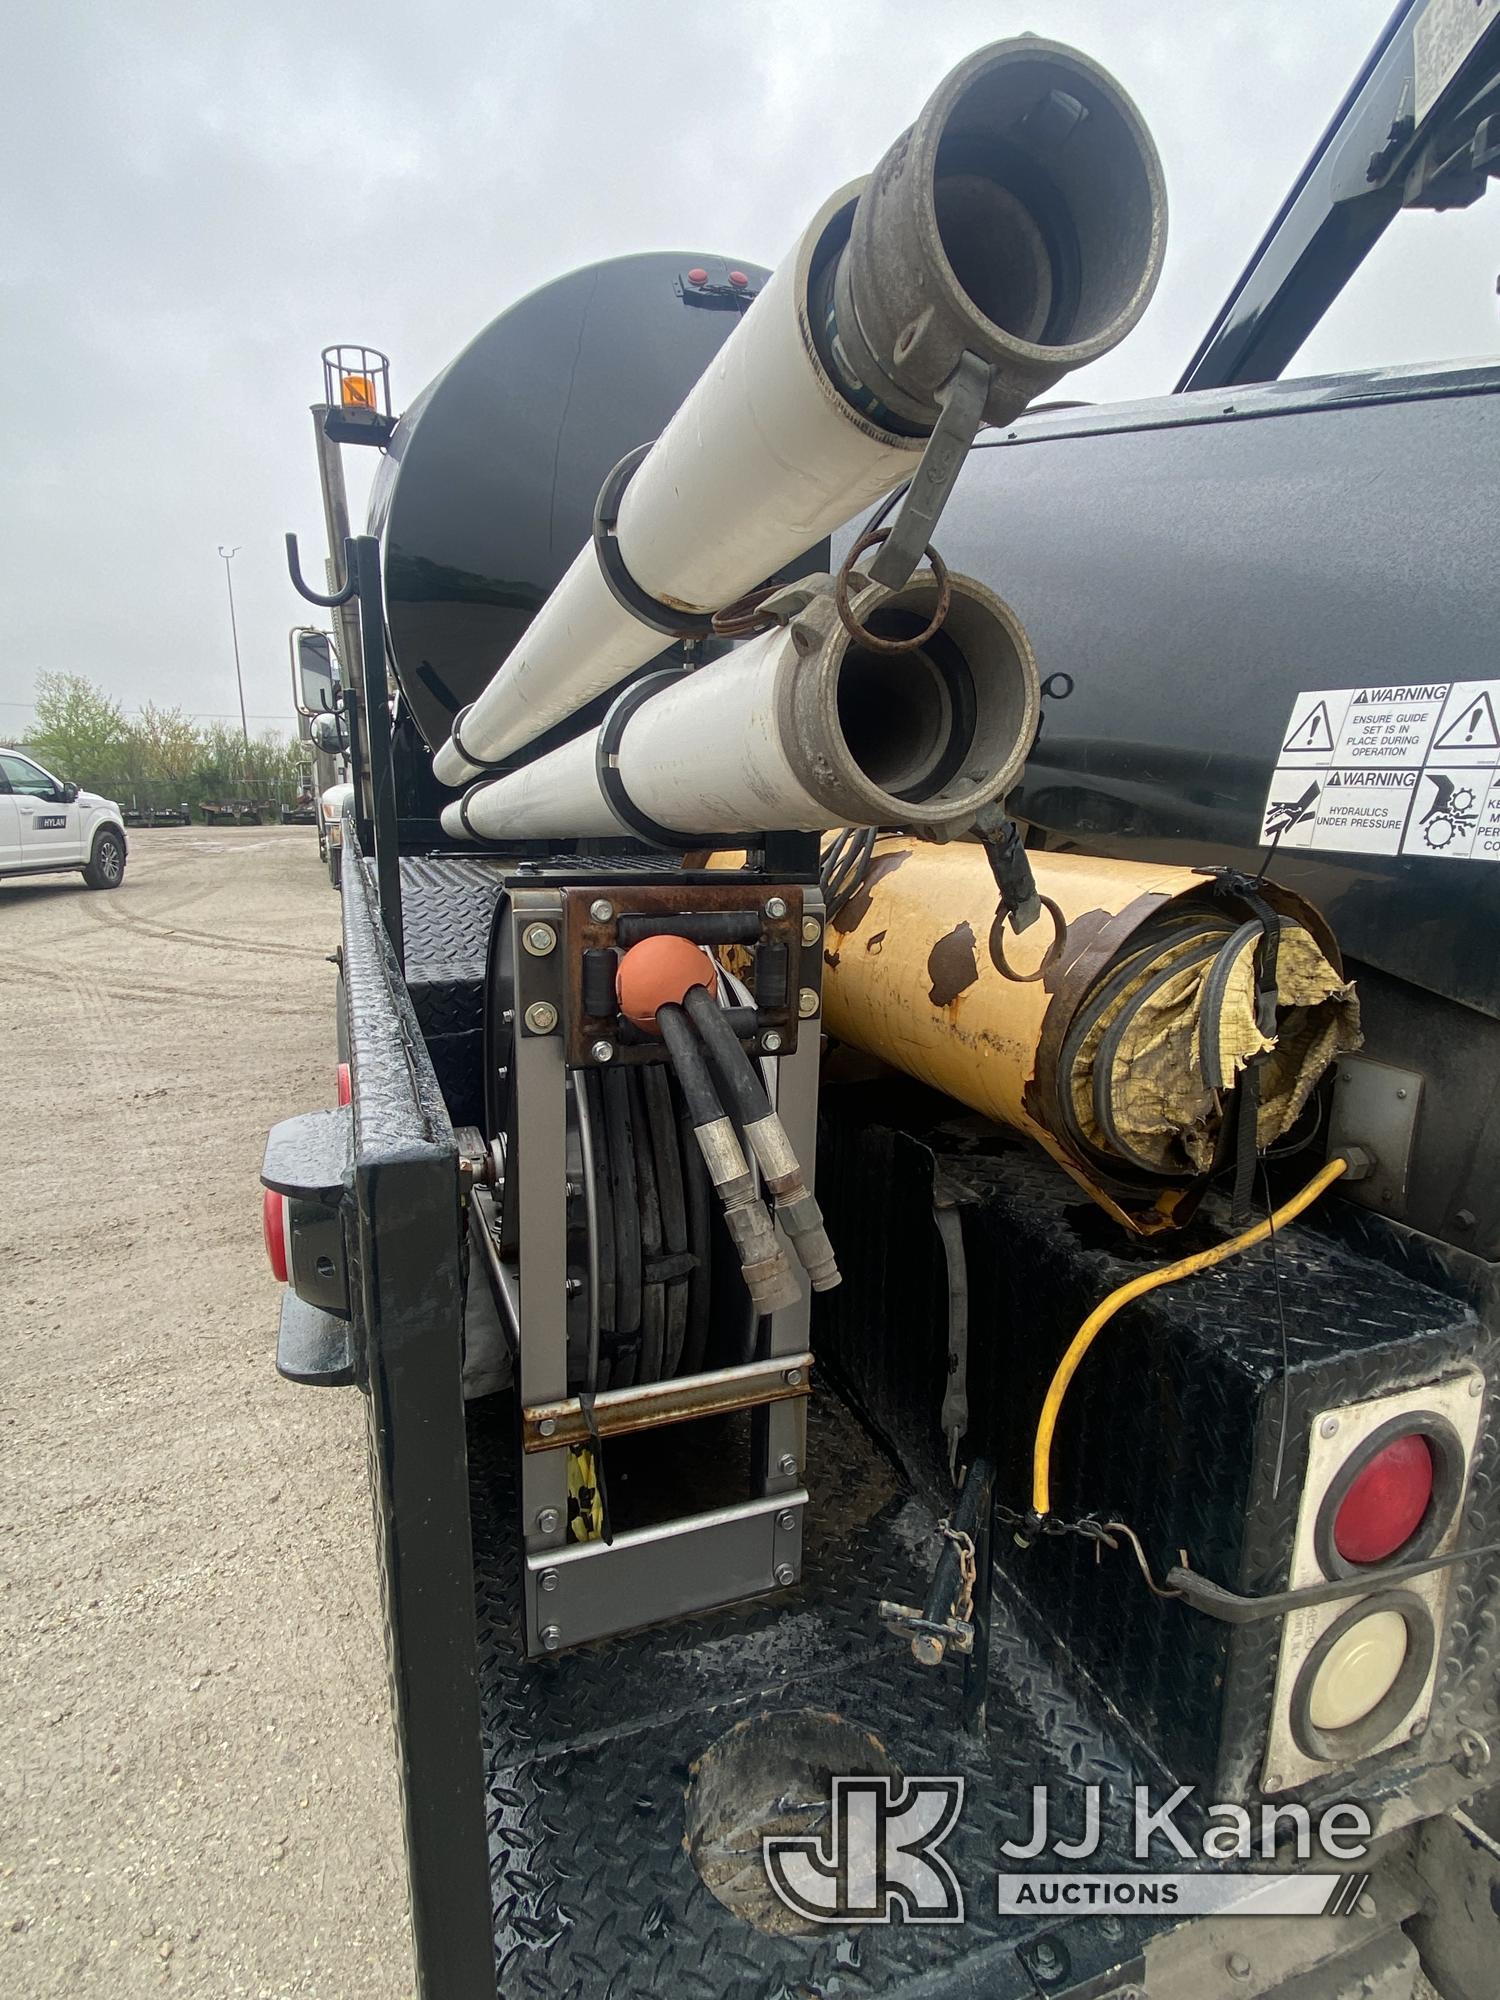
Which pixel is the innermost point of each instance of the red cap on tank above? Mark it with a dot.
(656, 971)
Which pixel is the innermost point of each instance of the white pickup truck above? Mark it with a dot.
(47, 826)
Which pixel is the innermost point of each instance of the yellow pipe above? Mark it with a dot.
(910, 978)
(908, 975)
(1098, 1319)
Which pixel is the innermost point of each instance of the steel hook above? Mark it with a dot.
(294, 564)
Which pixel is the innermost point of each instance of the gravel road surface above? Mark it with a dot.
(198, 1781)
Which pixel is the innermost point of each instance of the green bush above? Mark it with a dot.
(163, 757)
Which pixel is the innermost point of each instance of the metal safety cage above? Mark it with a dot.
(357, 390)
(576, 1591)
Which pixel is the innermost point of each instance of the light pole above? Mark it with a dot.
(229, 556)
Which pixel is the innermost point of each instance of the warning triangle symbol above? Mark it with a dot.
(1473, 728)
(1311, 731)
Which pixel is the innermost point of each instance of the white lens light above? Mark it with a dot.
(1359, 1671)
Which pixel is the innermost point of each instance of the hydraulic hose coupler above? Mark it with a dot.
(763, 1262)
(796, 1208)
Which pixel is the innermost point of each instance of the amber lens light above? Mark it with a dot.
(1385, 1505)
(1359, 1671)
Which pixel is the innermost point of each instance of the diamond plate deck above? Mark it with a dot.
(588, 1756)
(447, 905)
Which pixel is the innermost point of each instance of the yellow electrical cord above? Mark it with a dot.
(1098, 1319)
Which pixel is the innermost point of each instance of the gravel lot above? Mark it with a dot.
(198, 1782)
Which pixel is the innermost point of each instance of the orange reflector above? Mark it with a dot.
(273, 1220)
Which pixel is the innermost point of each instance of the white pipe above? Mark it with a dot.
(762, 460)
(799, 729)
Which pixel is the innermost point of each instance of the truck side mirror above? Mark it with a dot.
(65, 794)
(313, 672)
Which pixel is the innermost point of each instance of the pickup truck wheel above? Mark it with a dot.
(106, 865)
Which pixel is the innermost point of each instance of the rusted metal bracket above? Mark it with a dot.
(550, 1426)
(931, 1638)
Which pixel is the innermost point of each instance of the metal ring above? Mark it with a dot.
(744, 616)
(852, 625)
(637, 824)
(1053, 952)
(649, 610)
(454, 727)
(473, 832)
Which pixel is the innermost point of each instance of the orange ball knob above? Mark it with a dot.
(656, 971)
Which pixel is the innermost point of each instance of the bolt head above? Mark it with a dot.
(600, 911)
(792, 1377)
(603, 1052)
(539, 939)
(1329, 1427)
(786, 1522)
(787, 1466)
(770, 1041)
(775, 906)
(551, 1638)
(1047, 1959)
(812, 930)
(541, 1017)
(1237, 1965)
(546, 1427)
(785, 1574)
(548, 1579)
(547, 1520)
(1476, 1385)
(807, 1003)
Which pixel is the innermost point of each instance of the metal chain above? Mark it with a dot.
(1089, 1528)
(968, 1570)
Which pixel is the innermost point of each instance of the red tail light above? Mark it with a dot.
(1387, 1501)
(273, 1222)
(346, 1088)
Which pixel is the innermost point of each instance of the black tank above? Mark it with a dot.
(488, 489)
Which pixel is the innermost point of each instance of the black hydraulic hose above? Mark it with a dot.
(736, 1073)
(796, 1210)
(762, 1261)
(690, 1064)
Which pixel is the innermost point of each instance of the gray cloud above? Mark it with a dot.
(200, 198)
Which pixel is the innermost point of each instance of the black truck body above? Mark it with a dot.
(1186, 566)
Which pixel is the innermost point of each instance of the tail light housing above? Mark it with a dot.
(1385, 1487)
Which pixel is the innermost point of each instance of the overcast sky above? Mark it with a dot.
(200, 197)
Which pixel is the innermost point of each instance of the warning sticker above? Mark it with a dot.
(1412, 769)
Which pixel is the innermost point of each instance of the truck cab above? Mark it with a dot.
(48, 826)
